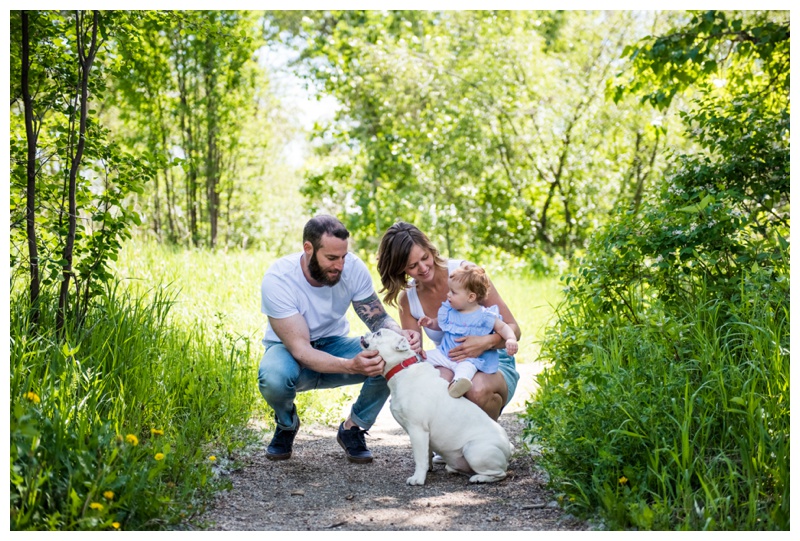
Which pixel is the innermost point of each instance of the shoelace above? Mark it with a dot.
(360, 437)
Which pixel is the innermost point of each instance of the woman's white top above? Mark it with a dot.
(416, 307)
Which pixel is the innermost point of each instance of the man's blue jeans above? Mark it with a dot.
(280, 378)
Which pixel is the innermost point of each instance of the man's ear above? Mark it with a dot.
(402, 344)
(308, 248)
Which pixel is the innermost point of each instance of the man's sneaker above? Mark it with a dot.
(438, 459)
(280, 448)
(354, 444)
(458, 387)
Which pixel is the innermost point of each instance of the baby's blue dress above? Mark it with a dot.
(477, 323)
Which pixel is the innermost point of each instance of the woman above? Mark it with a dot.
(405, 252)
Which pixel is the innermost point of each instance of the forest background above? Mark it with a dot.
(627, 172)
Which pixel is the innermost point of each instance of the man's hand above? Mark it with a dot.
(368, 363)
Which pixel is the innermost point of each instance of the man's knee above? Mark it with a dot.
(277, 373)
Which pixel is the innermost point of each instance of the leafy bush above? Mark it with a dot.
(666, 403)
(681, 421)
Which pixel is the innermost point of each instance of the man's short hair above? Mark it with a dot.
(323, 224)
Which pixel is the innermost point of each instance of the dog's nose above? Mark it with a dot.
(364, 342)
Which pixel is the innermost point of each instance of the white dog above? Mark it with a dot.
(468, 439)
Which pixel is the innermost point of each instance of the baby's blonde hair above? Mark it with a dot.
(473, 278)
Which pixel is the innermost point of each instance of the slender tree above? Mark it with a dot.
(87, 51)
(32, 133)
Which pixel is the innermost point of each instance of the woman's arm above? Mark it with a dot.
(408, 322)
(494, 298)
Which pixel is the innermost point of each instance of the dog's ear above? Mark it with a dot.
(402, 344)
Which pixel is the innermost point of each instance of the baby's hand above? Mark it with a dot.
(512, 346)
(424, 321)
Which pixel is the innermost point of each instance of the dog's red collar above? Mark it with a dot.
(405, 364)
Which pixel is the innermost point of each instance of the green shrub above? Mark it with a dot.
(683, 424)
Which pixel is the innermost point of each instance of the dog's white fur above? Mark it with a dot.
(463, 434)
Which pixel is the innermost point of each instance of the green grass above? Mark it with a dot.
(120, 425)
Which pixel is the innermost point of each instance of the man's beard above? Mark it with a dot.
(316, 272)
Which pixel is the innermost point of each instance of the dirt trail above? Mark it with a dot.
(317, 489)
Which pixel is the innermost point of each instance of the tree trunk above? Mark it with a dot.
(642, 177)
(187, 137)
(212, 146)
(212, 181)
(156, 208)
(32, 135)
(170, 202)
(86, 59)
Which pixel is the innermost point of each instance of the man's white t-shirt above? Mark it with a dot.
(286, 292)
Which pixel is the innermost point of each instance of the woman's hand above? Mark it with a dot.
(414, 341)
(472, 346)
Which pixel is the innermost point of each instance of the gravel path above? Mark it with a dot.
(317, 489)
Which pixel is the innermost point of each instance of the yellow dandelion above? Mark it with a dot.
(109, 495)
(159, 456)
(212, 458)
(133, 440)
(33, 397)
(156, 432)
(96, 506)
(115, 525)
(623, 480)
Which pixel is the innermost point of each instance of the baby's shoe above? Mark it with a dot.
(458, 387)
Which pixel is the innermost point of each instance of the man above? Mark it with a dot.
(305, 297)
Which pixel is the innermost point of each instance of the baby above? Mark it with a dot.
(462, 315)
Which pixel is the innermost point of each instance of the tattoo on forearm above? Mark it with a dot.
(373, 314)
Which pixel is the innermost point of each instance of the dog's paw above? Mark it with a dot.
(416, 480)
(487, 478)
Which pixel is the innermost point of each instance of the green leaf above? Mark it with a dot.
(707, 200)
(69, 352)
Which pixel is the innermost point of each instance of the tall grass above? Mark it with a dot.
(680, 421)
(119, 426)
